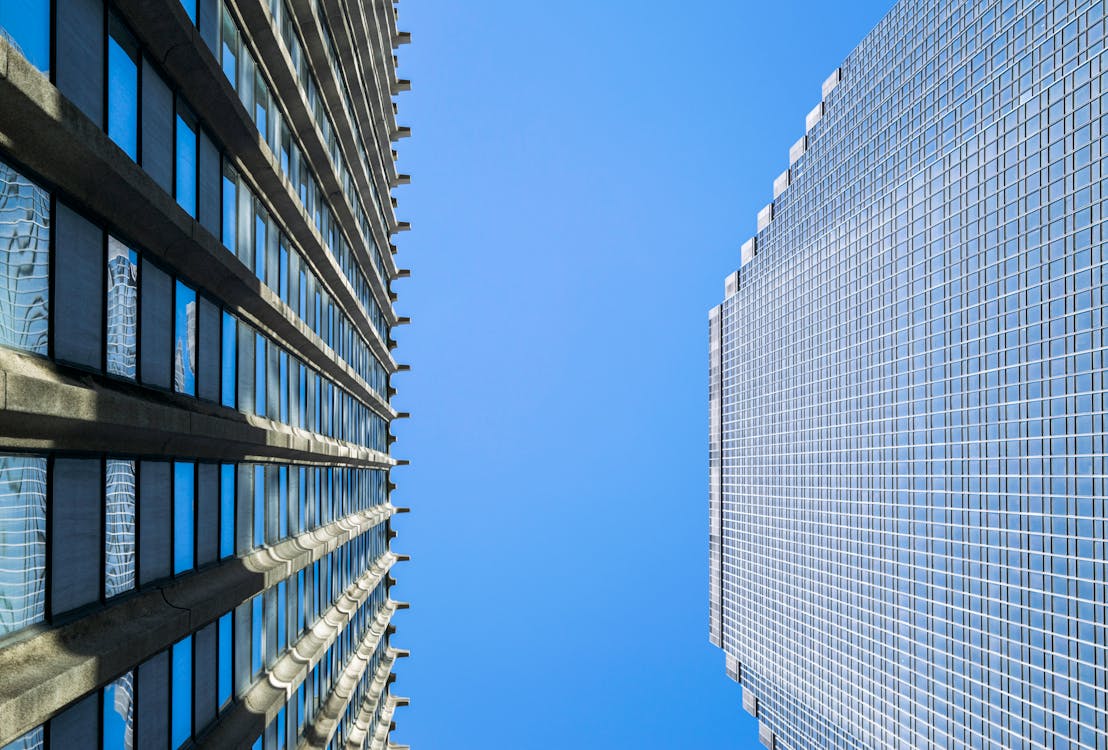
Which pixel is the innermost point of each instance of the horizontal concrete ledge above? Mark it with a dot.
(247, 719)
(319, 733)
(54, 139)
(402, 37)
(401, 84)
(47, 406)
(403, 226)
(401, 132)
(381, 680)
(380, 740)
(403, 179)
(47, 668)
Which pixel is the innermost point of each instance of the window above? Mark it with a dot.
(259, 240)
(259, 505)
(229, 374)
(181, 697)
(22, 541)
(186, 164)
(122, 333)
(230, 48)
(230, 208)
(33, 740)
(259, 375)
(257, 641)
(190, 9)
(226, 664)
(123, 59)
(25, 262)
(184, 505)
(119, 527)
(184, 343)
(119, 707)
(227, 510)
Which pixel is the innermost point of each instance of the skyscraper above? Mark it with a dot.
(196, 335)
(907, 451)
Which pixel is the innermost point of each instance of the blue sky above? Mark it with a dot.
(583, 176)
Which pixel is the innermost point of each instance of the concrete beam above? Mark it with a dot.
(245, 721)
(360, 727)
(57, 142)
(47, 406)
(47, 668)
(380, 740)
(197, 74)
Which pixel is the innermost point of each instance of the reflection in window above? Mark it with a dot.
(122, 333)
(230, 50)
(259, 505)
(227, 510)
(33, 740)
(230, 208)
(22, 541)
(119, 713)
(184, 503)
(26, 25)
(186, 175)
(119, 527)
(24, 262)
(223, 686)
(230, 361)
(259, 375)
(184, 345)
(123, 58)
(256, 638)
(181, 700)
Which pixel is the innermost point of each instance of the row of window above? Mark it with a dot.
(179, 693)
(141, 114)
(118, 312)
(245, 76)
(251, 233)
(143, 521)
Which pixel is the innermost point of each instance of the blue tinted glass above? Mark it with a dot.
(119, 713)
(302, 417)
(184, 499)
(259, 246)
(282, 610)
(24, 263)
(283, 281)
(283, 396)
(123, 59)
(184, 344)
(186, 166)
(302, 303)
(229, 367)
(230, 51)
(230, 212)
(122, 304)
(256, 629)
(119, 526)
(259, 375)
(227, 510)
(282, 502)
(223, 689)
(302, 499)
(181, 707)
(300, 602)
(27, 24)
(22, 541)
(259, 506)
(281, 729)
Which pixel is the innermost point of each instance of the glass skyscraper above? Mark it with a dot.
(908, 499)
(196, 373)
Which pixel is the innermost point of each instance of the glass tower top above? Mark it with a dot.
(907, 384)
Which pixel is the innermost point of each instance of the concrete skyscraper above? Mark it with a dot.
(908, 499)
(196, 335)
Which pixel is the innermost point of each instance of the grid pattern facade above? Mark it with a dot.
(913, 396)
(196, 373)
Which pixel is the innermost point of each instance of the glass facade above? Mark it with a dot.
(908, 397)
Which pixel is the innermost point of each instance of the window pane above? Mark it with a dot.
(227, 510)
(259, 240)
(184, 500)
(122, 347)
(184, 346)
(256, 641)
(230, 47)
(119, 713)
(22, 541)
(230, 208)
(181, 708)
(259, 505)
(259, 375)
(123, 57)
(186, 162)
(230, 361)
(24, 262)
(119, 527)
(223, 690)
(190, 9)
(26, 24)
(33, 740)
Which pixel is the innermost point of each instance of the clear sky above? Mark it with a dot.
(584, 173)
